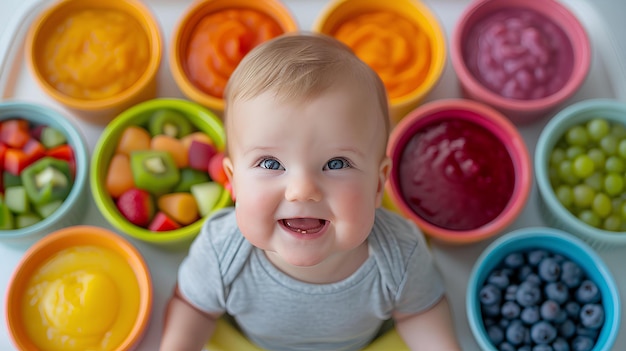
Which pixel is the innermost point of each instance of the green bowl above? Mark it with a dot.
(71, 211)
(203, 119)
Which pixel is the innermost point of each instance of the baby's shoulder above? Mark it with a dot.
(221, 235)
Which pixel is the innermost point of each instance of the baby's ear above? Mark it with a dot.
(227, 164)
(383, 174)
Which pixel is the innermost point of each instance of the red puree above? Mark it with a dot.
(519, 54)
(455, 174)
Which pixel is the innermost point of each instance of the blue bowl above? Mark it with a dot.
(552, 211)
(72, 210)
(555, 241)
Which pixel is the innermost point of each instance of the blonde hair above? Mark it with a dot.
(300, 67)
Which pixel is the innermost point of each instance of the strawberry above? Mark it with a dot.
(137, 206)
(162, 223)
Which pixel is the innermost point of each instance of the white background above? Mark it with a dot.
(456, 261)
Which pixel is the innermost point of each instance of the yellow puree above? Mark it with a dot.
(84, 298)
(95, 54)
(397, 49)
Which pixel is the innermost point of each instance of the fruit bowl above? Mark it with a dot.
(111, 293)
(527, 259)
(367, 26)
(97, 58)
(445, 182)
(578, 153)
(150, 174)
(40, 147)
(524, 58)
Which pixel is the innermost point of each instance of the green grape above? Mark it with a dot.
(590, 218)
(597, 128)
(613, 184)
(623, 211)
(602, 205)
(574, 151)
(609, 144)
(595, 181)
(577, 135)
(621, 148)
(618, 130)
(566, 173)
(612, 223)
(558, 156)
(583, 166)
(583, 195)
(565, 195)
(614, 164)
(598, 157)
(553, 175)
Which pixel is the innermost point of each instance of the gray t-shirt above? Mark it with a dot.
(224, 273)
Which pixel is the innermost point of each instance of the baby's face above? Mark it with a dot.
(307, 176)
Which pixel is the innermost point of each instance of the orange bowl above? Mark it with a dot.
(47, 250)
(95, 89)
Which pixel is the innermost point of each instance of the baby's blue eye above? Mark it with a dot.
(337, 163)
(270, 163)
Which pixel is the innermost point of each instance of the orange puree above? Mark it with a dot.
(95, 54)
(83, 298)
(392, 45)
(219, 42)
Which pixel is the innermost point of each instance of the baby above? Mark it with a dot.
(307, 259)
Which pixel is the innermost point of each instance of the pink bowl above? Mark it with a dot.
(520, 111)
(491, 121)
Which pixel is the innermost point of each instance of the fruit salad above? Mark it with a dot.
(38, 170)
(166, 174)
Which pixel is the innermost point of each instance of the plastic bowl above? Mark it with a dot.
(430, 56)
(187, 24)
(528, 109)
(489, 120)
(98, 107)
(203, 119)
(71, 211)
(555, 241)
(553, 212)
(71, 237)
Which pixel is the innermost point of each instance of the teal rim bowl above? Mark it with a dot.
(555, 241)
(553, 212)
(201, 118)
(72, 210)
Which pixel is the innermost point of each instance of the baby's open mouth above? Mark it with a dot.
(304, 225)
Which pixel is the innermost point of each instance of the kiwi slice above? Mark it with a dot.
(169, 122)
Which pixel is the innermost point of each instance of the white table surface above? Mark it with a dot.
(613, 12)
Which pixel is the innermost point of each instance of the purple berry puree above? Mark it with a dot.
(519, 54)
(456, 174)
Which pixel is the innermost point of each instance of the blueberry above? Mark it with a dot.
(490, 295)
(504, 323)
(549, 269)
(588, 332)
(530, 315)
(514, 260)
(524, 348)
(524, 271)
(495, 334)
(535, 256)
(542, 332)
(542, 348)
(557, 291)
(491, 310)
(592, 316)
(516, 332)
(560, 344)
(573, 309)
(549, 310)
(582, 343)
(571, 274)
(533, 278)
(499, 278)
(528, 294)
(567, 329)
(510, 310)
(505, 346)
(587, 292)
(509, 293)
(560, 317)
